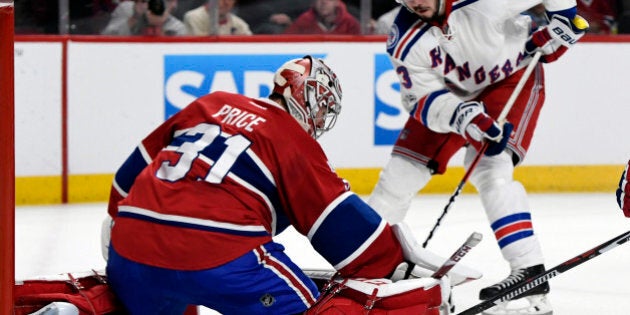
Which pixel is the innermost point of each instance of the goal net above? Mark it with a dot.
(7, 159)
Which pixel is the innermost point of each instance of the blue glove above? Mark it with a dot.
(623, 191)
(471, 121)
(565, 28)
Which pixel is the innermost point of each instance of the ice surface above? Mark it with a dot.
(66, 238)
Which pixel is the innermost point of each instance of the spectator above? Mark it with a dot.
(42, 16)
(271, 16)
(145, 17)
(325, 17)
(36, 17)
(199, 23)
(90, 16)
(184, 6)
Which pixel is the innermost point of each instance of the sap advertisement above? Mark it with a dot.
(118, 92)
(135, 88)
(188, 77)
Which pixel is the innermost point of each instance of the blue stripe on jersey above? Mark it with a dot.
(413, 41)
(403, 23)
(405, 20)
(179, 224)
(345, 229)
(127, 173)
(522, 216)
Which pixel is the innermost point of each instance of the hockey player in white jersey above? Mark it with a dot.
(458, 62)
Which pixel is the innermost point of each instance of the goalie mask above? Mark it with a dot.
(312, 93)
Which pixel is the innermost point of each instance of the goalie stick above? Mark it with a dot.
(472, 241)
(501, 120)
(535, 281)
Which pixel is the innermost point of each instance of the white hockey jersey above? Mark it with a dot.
(480, 43)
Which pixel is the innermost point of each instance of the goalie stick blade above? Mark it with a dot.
(471, 242)
(535, 281)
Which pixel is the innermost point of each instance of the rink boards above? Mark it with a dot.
(83, 104)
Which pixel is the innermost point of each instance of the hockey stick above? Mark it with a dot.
(471, 242)
(535, 281)
(501, 120)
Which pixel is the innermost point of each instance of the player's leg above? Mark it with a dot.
(263, 281)
(508, 212)
(504, 199)
(417, 154)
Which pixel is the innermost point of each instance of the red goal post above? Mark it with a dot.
(7, 158)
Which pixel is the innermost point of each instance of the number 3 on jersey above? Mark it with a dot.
(191, 142)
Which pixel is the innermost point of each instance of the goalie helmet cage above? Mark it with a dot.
(7, 158)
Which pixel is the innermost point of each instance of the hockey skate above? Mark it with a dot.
(532, 302)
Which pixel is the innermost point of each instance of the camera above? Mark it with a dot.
(157, 7)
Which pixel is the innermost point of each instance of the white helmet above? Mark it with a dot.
(312, 93)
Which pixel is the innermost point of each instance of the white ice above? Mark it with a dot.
(66, 238)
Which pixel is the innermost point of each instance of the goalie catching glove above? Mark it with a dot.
(565, 28)
(471, 121)
(623, 191)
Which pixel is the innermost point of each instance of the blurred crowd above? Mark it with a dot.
(249, 17)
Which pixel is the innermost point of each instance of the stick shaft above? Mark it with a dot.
(535, 281)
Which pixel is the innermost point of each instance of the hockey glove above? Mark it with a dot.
(623, 192)
(559, 35)
(471, 121)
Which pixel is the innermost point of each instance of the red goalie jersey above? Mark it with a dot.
(225, 175)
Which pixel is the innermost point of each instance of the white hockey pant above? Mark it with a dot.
(502, 196)
(399, 182)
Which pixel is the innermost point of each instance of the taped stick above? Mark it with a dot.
(471, 242)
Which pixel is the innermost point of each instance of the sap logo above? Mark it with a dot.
(389, 115)
(187, 77)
